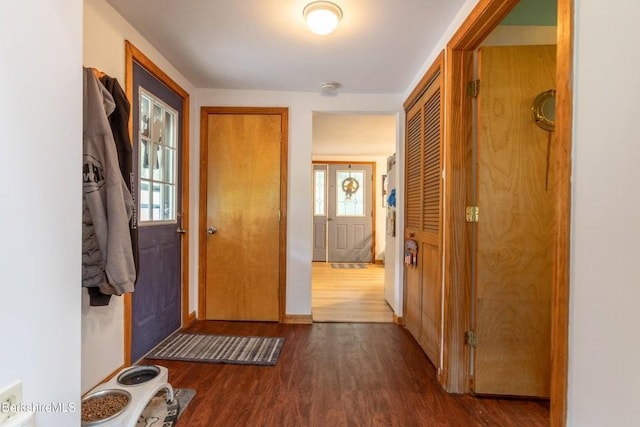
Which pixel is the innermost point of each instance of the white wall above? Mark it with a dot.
(299, 221)
(103, 327)
(40, 214)
(605, 286)
(381, 169)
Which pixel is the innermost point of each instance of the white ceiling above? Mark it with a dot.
(378, 47)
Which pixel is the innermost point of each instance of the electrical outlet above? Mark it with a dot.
(10, 397)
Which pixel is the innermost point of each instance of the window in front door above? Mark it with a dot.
(350, 194)
(158, 160)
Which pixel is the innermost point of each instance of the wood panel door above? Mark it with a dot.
(516, 228)
(244, 243)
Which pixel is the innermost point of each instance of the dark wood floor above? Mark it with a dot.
(335, 374)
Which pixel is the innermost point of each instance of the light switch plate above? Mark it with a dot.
(10, 397)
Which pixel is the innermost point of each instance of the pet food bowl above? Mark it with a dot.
(138, 375)
(140, 384)
(101, 395)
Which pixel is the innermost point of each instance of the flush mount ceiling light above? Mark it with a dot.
(322, 16)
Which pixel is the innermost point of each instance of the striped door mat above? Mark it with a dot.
(349, 265)
(219, 349)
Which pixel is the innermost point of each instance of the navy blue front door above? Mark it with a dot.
(157, 119)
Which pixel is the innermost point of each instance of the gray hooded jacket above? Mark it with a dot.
(107, 257)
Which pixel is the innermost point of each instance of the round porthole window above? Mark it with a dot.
(544, 110)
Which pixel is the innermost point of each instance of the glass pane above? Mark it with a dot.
(169, 129)
(158, 163)
(145, 208)
(157, 197)
(158, 160)
(319, 193)
(350, 192)
(169, 165)
(145, 106)
(157, 128)
(169, 205)
(144, 159)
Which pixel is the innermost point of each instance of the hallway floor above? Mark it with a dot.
(335, 374)
(349, 295)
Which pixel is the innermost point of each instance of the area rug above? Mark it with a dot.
(219, 349)
(349, 265)
(159, 413)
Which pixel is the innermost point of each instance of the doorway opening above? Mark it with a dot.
(487, 15)
(350, 153)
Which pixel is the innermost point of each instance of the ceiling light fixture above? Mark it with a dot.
(322, 16)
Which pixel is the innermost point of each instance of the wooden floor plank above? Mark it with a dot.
(335, 374)
(349, 294)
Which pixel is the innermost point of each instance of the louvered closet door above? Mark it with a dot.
(423, 290)
(431, 220)
(413, 221)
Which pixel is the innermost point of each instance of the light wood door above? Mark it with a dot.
(515, 229)
(243, 218)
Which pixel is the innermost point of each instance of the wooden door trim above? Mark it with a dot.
(562, 163)
(373, 195)
(133, 54)
(435, 70)
(458, 70)
(284, 168)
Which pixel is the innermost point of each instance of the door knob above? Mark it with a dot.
(181, 230)
(212, 230)
(330, 218)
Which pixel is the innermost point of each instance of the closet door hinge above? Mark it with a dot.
(470, 338)
(472, 213)
(473, 88)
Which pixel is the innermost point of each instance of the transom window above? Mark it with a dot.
(158, 160)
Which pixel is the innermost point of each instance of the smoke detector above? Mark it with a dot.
(329, 86)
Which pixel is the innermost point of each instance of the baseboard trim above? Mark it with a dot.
(190, 319)
(298, 319)
(379, 261)
(398, 320)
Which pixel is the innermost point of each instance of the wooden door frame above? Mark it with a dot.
(284, 168)
(133, 54)
(373, 195)
(458, 131)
